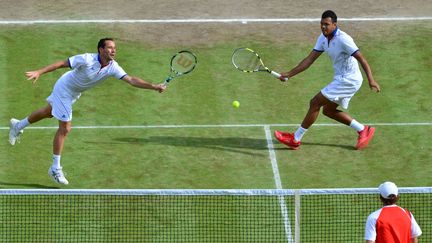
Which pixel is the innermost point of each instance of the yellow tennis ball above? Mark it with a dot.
(236, 104)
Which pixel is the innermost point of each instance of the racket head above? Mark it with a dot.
(247, 60)
(183, 62)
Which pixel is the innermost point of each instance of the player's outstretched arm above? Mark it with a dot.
(365, 65)
(303, 65)
(139, 83)
(34, 75)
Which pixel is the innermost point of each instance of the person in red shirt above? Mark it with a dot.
(391, 223)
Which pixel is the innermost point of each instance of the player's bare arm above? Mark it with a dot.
(34, 75)
(365, 65)
(303, 65)
(139, 83)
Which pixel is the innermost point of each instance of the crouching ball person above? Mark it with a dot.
(87, 70)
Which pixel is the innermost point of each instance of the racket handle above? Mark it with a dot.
(166, 82)
(278, 75)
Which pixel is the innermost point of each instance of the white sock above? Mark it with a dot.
(23, 124)
(56, 161)
(299, 133)
(357, 125)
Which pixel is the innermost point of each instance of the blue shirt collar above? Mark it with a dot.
(335, 31)
(99, 60)
(333, 34)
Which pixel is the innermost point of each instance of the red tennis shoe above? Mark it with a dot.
(287, 139)
(364, 137)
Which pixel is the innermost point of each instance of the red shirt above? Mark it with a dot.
(393, 225)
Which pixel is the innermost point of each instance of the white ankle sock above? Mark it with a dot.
(357, 125)
(23, 124)
(56, 161)
(299, 133)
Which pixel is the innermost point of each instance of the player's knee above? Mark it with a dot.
(65, 130)
(329, 112)
(47, 112)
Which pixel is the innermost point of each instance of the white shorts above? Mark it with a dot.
(61, 102)
(341, 90)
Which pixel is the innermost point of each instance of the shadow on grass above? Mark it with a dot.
(347, 147)
(284, 147)
(6, 185)
(231, 144)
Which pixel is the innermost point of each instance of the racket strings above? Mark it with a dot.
(183, 63)
(246, 60)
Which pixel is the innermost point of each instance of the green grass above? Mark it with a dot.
(217, 157)
(188, 158)
(192, 218)
(155, 219)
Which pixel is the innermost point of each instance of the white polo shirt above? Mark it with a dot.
(340, 50)
(87, 72)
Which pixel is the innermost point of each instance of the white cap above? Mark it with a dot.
(388, 188)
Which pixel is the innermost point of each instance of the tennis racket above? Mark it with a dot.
(248, 61)
(182, 62)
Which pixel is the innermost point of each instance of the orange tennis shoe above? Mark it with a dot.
(364, 137)
(287, 139)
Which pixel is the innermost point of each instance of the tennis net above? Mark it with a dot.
(304, 215)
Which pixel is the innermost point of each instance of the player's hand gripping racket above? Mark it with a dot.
(247, 60)
(182, 62)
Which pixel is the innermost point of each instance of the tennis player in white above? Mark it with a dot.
(87, 70)
(347, 80)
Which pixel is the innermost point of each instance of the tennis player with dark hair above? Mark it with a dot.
(391, 223)
(347, 80)
(87, 70)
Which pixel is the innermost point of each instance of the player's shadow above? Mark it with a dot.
(347, 147)
(231, 144)
(6, 185)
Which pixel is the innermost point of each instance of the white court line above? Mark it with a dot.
(224, 125)
(272, 156)
(278, 183)
(228, 20)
